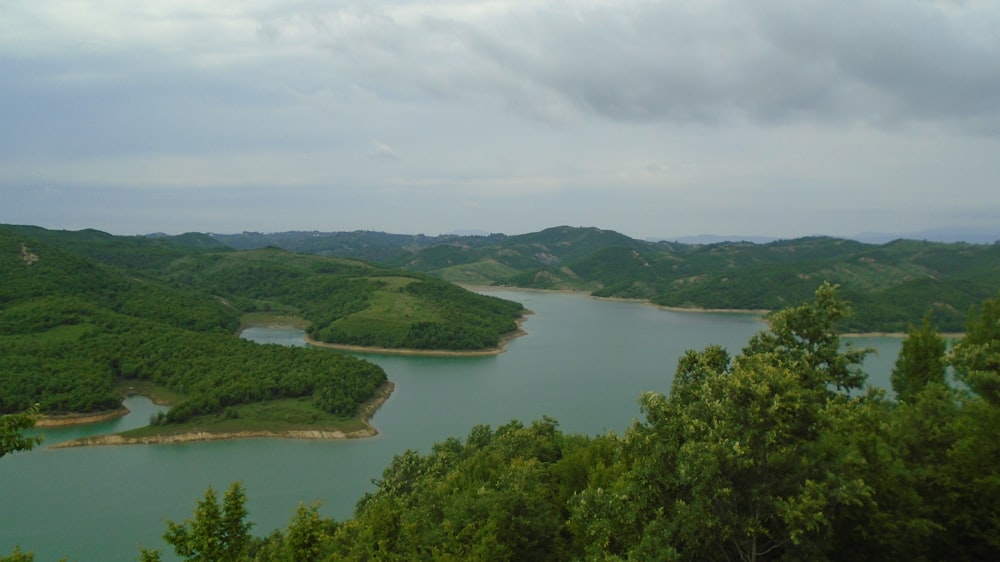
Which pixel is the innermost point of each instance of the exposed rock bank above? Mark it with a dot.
(78, 419)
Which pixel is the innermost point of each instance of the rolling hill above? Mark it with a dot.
(890, 285)
(82, 313)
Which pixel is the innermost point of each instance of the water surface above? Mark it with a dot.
(583, 362)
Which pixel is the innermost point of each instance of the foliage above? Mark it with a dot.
(18, 556)
(977, 356)
(80, 311)
(921, 361)
(12, 427)
(217, 533)
(775, 453)
(499, 495)
(736, 463)
(76, 371)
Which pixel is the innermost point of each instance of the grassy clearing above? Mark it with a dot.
(873, 276)
(403, 307)
(393, 283)
(480, 273)
(389, 311)
(283, 318)
(387, 319)
(63, 334)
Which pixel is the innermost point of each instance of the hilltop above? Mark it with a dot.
(890, 285)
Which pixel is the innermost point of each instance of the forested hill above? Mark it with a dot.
(344, 301)
(81, 312)
(891, 285)
(73, 330)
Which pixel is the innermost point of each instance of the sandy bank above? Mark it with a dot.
(78, 419)
(118, 439)
(365, 412)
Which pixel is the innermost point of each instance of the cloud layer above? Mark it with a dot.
(651, 117)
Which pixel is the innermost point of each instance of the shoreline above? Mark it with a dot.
(67, 420)
(647, 302)
(298, 323)
(945, 335)
(365, 413)
(500, 348)
(874, 335)
(760, 312)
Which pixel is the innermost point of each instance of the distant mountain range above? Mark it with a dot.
(892, 284)
(943, 234)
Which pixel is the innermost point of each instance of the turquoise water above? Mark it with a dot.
(584, 362)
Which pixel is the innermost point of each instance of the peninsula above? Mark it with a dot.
(84, 313)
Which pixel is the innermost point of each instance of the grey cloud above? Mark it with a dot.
(881, 62)
(381, 151)
(897, 60)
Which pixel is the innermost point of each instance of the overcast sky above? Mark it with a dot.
(778, 118)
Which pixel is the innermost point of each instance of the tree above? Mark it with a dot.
(921, 361)
(746, 459)
(805, 339)
(969, 503)
(216, 534)
(500, 495)
(976, 357)
(309, 535)
(12, 427)
(18, 556)
(694, 368)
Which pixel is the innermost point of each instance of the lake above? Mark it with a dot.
(584, 362)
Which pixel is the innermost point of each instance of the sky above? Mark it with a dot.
(669, 118)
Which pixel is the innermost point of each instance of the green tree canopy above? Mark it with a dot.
(12, 428)
(217, 533)
(976, 357)
(921, 361)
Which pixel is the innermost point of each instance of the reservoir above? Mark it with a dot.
(583, 361)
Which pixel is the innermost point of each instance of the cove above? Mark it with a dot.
(584, 362)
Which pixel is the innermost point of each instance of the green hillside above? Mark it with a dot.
(83, 313)
(72, 331)
(890, 285)
(352, 302)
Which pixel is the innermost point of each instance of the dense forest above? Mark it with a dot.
(780, 452)
(82, 313)
(72, 329)
(891, 285)
(344, 300)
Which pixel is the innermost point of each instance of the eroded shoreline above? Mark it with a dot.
(79, 419)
